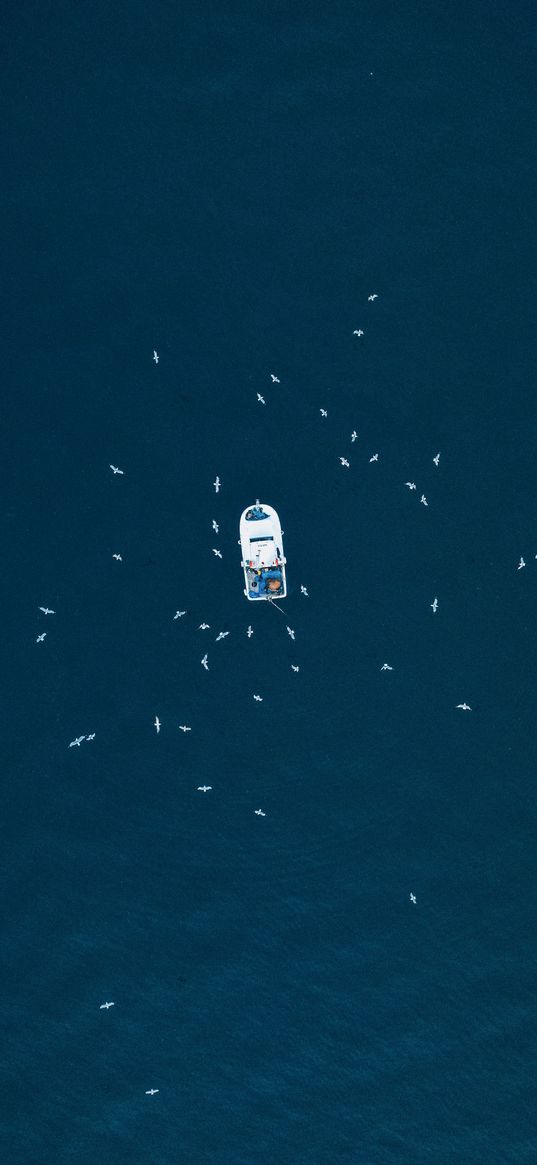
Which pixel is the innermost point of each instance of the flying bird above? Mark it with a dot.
(358, 332)
(157, 723)
(261, 399)
(372, 297)
(249, 633)
(179, 614)
(155, 356)
(152, 1091)
(221, 635)
(323, 412)
(303, 591)
(295, 667)
(521, 564)
(465, 707)
(41, 637)
(423, 500)
(259, 813)
(436, 459)
(413, 898)
(215, 526)
(204, 626)
(354, 435)
(117, 557)
(47, 611)
(410, 484)
(185, 728)
(375, 457)
(259, 699)
(218, 553)
(106, 1006)
(204, 663)
(386, 667)
(216, 484)
(434, 605)
(345, 462)
(78, 741)
(275, 379)
(291, 632)
(91, 736)
(115, 469)
(204, 788)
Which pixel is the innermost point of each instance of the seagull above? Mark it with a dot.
(410, 484)
(358, 332)
(291, 632)
(204, 663)
(323, 412)
(152, 1091)
(204, 626)
(117, 557)
(295, 667)
(216, 484)
(106, 1006)
(375, 457)
(521, 564)
(423, 500)
(204, 788)
(436, 459)
(91, 736)
(344, 462)
(47, 611)
(354, 435)
(434, 605)
(386, 667)
(217, 552)
(413, 898)
(371, 298)
(303, 591)
(155, 356)
(259, 699)
(261, 399)
(249, 633)
(41, 637)
(115, 469)
(215, 526)
(78, 741)
(179, 614)
(221, 635)
(465, 707)
(275, 379)
(157, 723)
(185, 728)
(259, 813)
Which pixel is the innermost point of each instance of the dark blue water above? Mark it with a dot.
(228, 184)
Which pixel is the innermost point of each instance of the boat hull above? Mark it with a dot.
(263, 559)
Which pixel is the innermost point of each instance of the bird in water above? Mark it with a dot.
(204, 663)
(117, 557)
(216, 484)
(423, 500)
(218, 553)
(410, 484)
(436, 459)
(47, 611)
(323, 412)
(249, 632)
(345, 462)
(521, 564)
(155, 356)
(275, 379)
(465, 707)
(179, 614)
(259, 699)
(259, 813)
(115, 469)
(41, 637)
(386, 667)
(215, 526)
(157, 723)
(434, 606)
(105, 1006)
(77, 742)
(261, 399)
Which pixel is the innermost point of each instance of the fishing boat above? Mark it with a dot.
(263, 560)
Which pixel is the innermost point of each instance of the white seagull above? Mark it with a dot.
(354, 435)
(117, 557)
(303, 591)
(204, 626)
(436, 459)
(323, 412)
(204, 788)
(152, 1091)
(91, 736)
(218, 553)
(204, 663)
(386, 667)
(259, 813)
(259, 699)
(413, 898)
(179, 614)
(78, 742)
(261, 399)
(465, 707)
(275, 379)
(249, 633)
(371, 298)
(115, 469)
(345, 462)
(295, 667)
(410, 484)
(434, 605)
(291, 632)
(375, 457)
(157, 723)
(521, 564)
(41, 637)
(215, 526)
(105, 1006)
(185, 728)
(47, 611)
(216, 484)
(221, 635)
(155, 356)
(358, 332)
(423, 500)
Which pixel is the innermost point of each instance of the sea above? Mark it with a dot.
(227, 184)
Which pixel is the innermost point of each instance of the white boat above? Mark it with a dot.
(263, 560)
